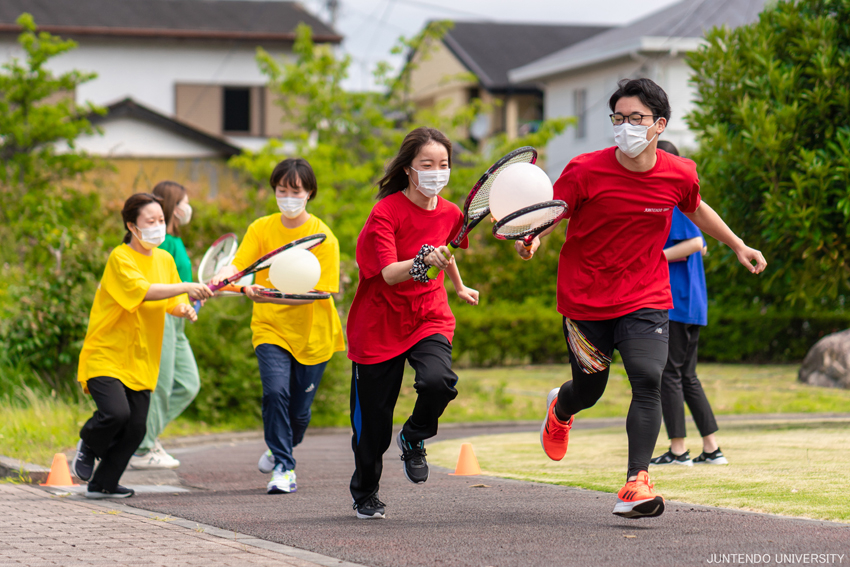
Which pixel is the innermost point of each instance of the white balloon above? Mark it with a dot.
(518, 186)
(295, 271)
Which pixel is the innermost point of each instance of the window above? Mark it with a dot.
(580, 112)
(237, 109)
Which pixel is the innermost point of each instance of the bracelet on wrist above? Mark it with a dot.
(419, 271)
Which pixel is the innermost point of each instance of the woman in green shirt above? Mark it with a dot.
(178, 381)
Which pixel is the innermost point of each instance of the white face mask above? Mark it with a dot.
(632, 139)
(431, 182)
(186, 209)
(151, 237)
(291, 207)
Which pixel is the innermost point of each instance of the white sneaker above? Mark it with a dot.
(282, 482)
(266, 464)
(154, 459)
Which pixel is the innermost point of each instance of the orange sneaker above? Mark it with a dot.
(638, 499)
(554, 433)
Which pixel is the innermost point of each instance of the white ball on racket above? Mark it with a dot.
(295, 271)
(518, 186)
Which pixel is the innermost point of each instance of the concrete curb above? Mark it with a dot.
(13, 468)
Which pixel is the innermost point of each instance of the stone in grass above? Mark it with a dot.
(828, 362)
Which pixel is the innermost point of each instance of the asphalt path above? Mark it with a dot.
(453, 521)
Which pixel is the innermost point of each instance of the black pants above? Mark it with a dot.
(116, 429)
(374, 393)
(641, 338)
(680, 385)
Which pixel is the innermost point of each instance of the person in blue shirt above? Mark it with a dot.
(679, 383)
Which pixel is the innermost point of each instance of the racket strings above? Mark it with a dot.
(529, 222)
(589, 358)
(220, 254)
(480, 204)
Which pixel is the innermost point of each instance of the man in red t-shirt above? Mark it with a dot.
(613, 283)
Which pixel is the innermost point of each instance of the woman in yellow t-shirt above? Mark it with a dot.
(119, 362)
(293, 339)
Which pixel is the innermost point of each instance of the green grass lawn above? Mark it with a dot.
(790, 468)
(519, 393)
(33, 428)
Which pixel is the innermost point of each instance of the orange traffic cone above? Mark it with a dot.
(467, 464)
(59, 473)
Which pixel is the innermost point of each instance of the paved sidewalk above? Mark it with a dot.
(39, 528)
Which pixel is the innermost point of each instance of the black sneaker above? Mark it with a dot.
(96, 493)
(714, 458)
(372, 508)
(415, 466)
(83, 464)
(669, 458)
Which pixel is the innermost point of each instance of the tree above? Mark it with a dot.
(773, 122)
(55, 259)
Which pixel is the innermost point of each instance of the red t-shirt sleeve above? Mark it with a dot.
(569, 187)
(690, 196)
(456, 229)
(376, 247)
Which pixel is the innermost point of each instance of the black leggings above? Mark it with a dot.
(116, 429)
(680, 385)
(644, 359)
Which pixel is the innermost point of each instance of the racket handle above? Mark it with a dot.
(434, 271)
(528, 246)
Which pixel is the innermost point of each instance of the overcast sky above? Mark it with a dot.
(371, 27)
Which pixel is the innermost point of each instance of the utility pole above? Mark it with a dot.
(332, 7)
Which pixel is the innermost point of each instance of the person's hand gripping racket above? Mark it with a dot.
(526, 225)
(196, 292)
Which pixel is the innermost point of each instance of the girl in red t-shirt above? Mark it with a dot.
(399, 315)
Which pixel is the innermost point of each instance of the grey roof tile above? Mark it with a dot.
(686, 19)
(176, 18)
(491, 49)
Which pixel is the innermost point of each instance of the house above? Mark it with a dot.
(144, 146)
(578, 80)
(472, 61)
(193, 60)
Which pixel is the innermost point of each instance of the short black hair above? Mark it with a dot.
(290, 170)
(668, 147)
(649, 93)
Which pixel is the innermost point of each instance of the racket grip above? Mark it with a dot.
(434, 271)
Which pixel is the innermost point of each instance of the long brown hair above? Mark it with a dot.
(132, 206)
(171, 194)
(395, 179)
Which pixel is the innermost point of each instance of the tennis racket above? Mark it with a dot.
(525, 224)
(218, 255)
(477, 205)
(269, 292)
(263, 263)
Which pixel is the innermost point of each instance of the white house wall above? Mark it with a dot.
(128, 137)
(600, 82)
(147, 71)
